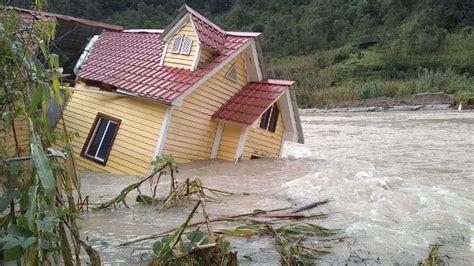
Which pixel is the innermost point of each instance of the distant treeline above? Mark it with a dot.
(422, 45)
(293, 27)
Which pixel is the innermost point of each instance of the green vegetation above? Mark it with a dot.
(38, 214)
(311, 41)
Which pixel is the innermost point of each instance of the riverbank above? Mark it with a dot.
(409, 102)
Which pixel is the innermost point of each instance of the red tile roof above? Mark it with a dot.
(27, 14)
(131, 61)
(207, 32)
(252, 101)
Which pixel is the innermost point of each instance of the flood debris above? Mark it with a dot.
(291, 239)
(433, 258)
(184, 190)
(195, 248)
(179, 191)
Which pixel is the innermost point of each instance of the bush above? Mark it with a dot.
(371, 89)
(322, 98)
(442, 80)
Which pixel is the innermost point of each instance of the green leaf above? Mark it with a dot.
(31, 212)
(259, 211)
(28, 242)
(13, 253)
(43, 168)
(195, 236)
(167, 245)
(157, 246)
(37, 97)
(12, 244)
(5, 201)
(18, 231)
(47, 224)
(186, 246)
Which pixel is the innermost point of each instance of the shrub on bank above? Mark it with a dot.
(371, 89)
(441, 81)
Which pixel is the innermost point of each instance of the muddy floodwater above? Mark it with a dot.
(399, 181)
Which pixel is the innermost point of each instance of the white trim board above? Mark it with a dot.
(288, 116)
(196, 58)
(160, 143)
(242, 141)
(256, 60)
(217, 140)
(182, 21)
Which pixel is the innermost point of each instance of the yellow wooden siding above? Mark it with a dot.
(191, 131)
(229, 142)
(135, 143)
(7, 140)
(181, 60)
(264, 143)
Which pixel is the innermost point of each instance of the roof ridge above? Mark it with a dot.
(203, 18)
(278, 82)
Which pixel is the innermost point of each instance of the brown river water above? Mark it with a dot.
(399, 181)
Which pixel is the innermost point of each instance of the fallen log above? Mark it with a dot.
(312, 205)
(235, 218)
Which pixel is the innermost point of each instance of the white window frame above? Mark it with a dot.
(232, 68)
(179, 39)
(183, 42)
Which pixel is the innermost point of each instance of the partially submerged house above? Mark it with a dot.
(191, 90)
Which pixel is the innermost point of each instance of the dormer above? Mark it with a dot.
(191, 39)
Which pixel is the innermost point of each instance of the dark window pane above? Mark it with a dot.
(94, 144)
(109, 135)
(265, 118)
(274, 119)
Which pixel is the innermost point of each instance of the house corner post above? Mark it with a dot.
(163, 132)
(217, 140)
(242, 140)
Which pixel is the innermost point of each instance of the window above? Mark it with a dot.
(232, 73)
(265, 118)
(274, 119)
(270, 118)
(182, 44)
(186, 46)
(177, 44)
(101, 138)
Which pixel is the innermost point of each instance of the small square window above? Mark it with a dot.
(101, 138)
(232, 73)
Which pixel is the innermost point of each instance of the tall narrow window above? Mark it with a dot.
(270, 118)
(265, 118)
(101, 138)
(273, 121)
(232, 73)
(187, 45)
(177, 44)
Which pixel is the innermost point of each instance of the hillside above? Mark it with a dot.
(422, 45)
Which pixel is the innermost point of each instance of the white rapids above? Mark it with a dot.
(399, 181)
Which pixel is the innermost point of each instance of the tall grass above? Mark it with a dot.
(371, 89)
(442, 81)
